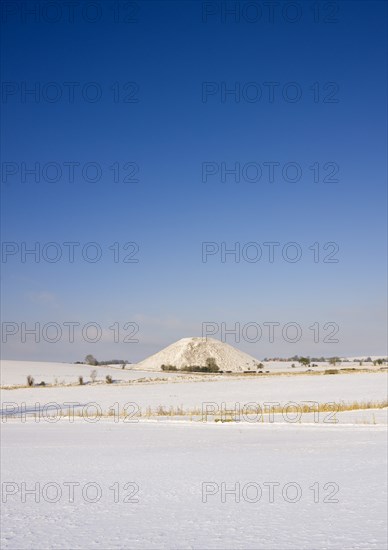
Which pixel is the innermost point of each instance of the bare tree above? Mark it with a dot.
(334, 360)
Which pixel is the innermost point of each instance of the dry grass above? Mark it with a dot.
(303, 407)
(226, 416)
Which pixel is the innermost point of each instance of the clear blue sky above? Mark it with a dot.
(169, 51)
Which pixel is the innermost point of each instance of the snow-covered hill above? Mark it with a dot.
(195, 351)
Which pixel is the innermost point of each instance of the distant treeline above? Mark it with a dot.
(324, 359)
(91, 360)
(114, 362)
(297, 358)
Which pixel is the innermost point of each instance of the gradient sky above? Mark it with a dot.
(170, 50)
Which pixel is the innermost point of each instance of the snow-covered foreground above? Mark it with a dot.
(179, 479)
(169, 483)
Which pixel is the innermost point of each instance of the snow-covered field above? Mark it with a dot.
(16, 372)
(169, 483)
(191, 395)
(179, 479)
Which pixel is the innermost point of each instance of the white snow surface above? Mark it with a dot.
(170, 463)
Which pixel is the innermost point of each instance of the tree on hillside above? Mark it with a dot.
(91, 360)
(211, 365)
(305, 361)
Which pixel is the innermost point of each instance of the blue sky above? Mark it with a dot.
(168, 53)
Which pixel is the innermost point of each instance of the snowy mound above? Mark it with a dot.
(189, 352)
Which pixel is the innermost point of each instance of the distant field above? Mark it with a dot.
(189, 393)
(16, 372)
